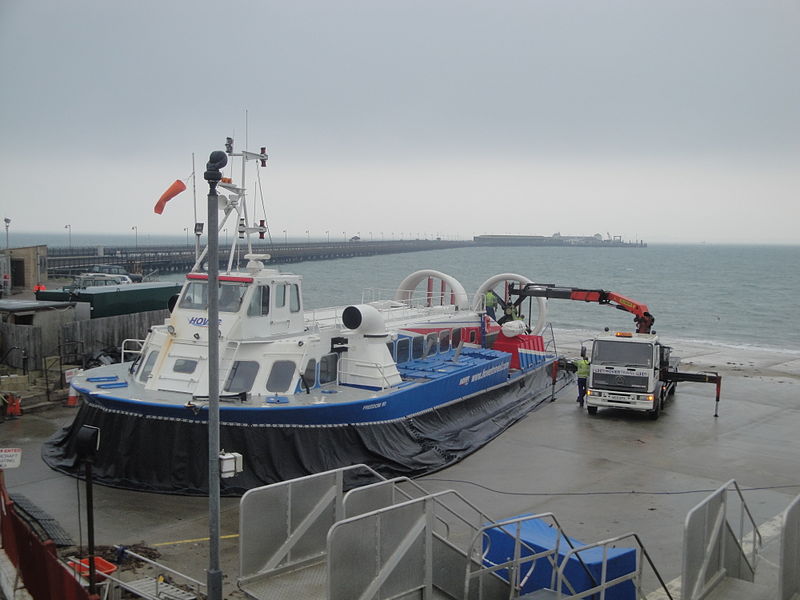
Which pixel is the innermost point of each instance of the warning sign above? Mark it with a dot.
(10, 458)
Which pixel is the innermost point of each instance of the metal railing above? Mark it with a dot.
(367, 372)
(413, 558)
(518, 568)
(198, 586)
(712, 550)
(284, 526)
(458, 517)
(789, 581)
(608, 580)
(131, 347)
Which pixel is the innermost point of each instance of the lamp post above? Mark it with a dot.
(136, 234)
(87, 443)
(217, 161)
(328, 233)
(186, 229)
(308, 236)
(7, 222)
(68, 227)
(285, 238)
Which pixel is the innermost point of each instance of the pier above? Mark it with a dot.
(181, 257)
(64, 262)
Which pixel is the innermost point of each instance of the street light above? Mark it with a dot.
(308, 236)
(186, 229)
(328, 233)
(136, 233)
(8, 222)
(285, 238)
(69, 229)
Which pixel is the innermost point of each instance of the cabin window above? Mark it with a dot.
(327, 368)
(294, 298)
(195, 296)
(230, 296)
(390, 348)
(418, 347)
(431, 342)
(444, 340)
(310, 373)
(280, 296)
(456, 337)
(490, 338)
(281, 375)
(241, 377)
(259, 303)
(148, 365)
(473, 335)
(403, 348)
(184, 365)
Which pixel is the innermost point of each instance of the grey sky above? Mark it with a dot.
(672, 121)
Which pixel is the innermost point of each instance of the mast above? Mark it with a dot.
(235, 204)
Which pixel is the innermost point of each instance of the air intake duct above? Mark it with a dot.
(364, 319)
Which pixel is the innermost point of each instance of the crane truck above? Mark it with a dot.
(632, 371)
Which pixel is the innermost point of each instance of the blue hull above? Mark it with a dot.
(163, 448)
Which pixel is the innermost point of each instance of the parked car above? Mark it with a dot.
(115, 270)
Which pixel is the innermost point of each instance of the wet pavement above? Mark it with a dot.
(602, 476)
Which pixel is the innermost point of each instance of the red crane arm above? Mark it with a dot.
(643, 319)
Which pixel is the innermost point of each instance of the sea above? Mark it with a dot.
(743, 297)
(737, 296)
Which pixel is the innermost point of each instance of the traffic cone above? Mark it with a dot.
(14, 406)
(72, 398)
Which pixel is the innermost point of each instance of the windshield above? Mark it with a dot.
(629, 354)
(195, 296)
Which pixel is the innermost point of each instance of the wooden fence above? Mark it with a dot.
(83, 337)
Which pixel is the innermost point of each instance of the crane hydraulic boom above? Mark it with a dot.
(642, 317)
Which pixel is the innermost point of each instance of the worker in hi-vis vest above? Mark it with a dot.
(490, 302)
(583, 374)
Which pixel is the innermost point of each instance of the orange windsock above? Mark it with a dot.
(176, 188)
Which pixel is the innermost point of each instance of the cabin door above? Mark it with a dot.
(185, 370)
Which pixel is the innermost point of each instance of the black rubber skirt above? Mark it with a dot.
(171, 457)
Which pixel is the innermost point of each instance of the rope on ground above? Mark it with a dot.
(610, 492)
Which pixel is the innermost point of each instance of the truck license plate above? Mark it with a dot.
(618, 397)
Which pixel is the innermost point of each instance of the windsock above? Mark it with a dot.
(176, 188)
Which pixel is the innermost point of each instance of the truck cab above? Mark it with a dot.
(628, 371)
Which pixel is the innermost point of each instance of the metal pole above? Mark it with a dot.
(216, 161)
(90, 523)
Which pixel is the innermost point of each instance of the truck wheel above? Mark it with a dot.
(673, 388)
(653, 414)
(592, 410)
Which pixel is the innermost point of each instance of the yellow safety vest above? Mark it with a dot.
(583, 368)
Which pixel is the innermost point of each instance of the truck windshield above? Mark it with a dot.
(630, 354)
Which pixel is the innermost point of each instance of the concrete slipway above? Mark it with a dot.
(602, 476)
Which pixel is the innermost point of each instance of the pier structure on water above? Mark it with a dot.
(180, 258)
(63, 261)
